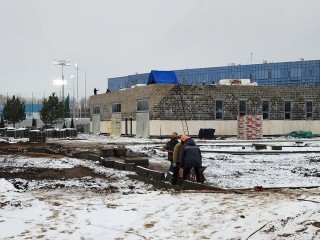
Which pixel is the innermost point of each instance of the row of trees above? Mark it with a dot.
(53, 111)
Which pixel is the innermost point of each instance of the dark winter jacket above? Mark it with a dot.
(170, 147)
(190, 155)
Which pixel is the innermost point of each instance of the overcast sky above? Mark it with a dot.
(123, 37)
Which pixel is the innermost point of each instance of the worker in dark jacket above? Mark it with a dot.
(190, 157)
(169, 147)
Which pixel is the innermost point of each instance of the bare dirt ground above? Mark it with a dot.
(39, 150)
(49, 174)
(59, 149)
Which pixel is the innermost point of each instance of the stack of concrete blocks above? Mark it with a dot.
(249, 127)
(117, 158)
(37, 136)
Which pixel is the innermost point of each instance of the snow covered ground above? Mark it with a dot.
(78, 210)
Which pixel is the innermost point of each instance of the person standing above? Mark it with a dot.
(176, 162)
(190, 158)
(169, 147)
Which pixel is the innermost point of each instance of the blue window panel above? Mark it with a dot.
(286, 73)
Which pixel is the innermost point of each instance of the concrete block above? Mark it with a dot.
(259, 146)
(118, 165)
(51, 151)
(155, 175)
(120, 152)
(107, 152)
(76, 155)
(140, 161)
(276, 147)
(130, 167)
(108, 163)
(101, 161)
(94, 157)
(142, 172)
(83, 155)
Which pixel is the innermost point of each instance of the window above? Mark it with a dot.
(242, 107)
(116, 107)
(265, 109)
(287, 110)
(311, 72)
(142, 105)
(96, 110)
(269, 74)
(219, 109)
(309, 110)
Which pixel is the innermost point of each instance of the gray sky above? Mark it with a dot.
(123, 37)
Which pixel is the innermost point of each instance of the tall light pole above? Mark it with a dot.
(85, 91)
(85, 94)
(251, 57)
(85, 87)
(77, 68)
(73, 106)
(62, 63)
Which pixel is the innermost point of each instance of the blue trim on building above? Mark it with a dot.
(29, 107)
(299, 73)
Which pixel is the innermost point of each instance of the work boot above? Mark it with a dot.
(174, 181)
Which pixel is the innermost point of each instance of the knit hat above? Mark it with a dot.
(184, 138)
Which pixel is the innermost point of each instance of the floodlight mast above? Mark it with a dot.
(85, 89)
(62, 63)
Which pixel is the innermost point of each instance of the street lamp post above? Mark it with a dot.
(62, 63)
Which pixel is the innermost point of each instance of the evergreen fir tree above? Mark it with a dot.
(14, 111)
(72, 124)
(34, 123)
(52, 111)
(2, 123)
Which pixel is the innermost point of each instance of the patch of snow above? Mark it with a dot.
(78, 209)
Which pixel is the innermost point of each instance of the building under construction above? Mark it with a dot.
(158, 109)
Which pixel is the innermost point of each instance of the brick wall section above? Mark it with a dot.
(128, 99)
(200, 101)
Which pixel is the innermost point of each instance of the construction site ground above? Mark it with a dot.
(97, 201)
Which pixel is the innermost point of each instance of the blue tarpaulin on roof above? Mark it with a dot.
(162, 77)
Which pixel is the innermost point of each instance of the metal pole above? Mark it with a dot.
(62, 83)
(62, 63)
(85, 94)
(73, 106)
(32, 105)
(77, 89)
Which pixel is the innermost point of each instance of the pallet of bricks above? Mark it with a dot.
(249, 127)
